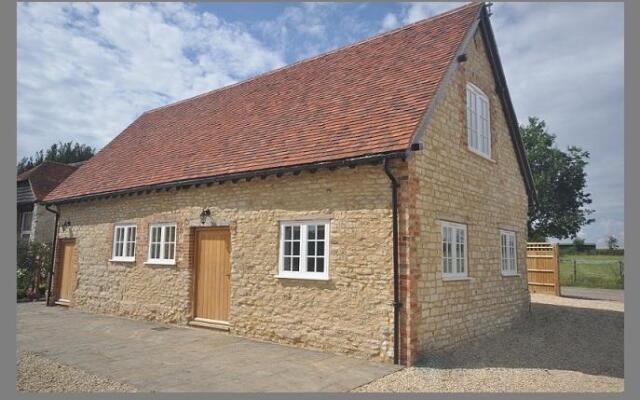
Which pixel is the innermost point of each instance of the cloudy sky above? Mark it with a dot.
(85, 71)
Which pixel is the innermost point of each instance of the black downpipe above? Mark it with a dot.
(395, 184)
(53, 256)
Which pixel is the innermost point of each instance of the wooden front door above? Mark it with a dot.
(66, 271)
(212, 276)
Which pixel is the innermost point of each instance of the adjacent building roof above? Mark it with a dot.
(42, 179)
(364, 99)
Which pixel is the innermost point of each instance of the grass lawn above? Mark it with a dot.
(592, 271)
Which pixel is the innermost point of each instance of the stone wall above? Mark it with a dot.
(455, 184)
(42, 224)
(351, 313)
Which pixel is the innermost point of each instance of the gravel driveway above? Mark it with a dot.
(566, 345)
(39, 374)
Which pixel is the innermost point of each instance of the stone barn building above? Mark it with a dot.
(369, 201)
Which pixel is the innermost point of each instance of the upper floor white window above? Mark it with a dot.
(508, 252)
(124, 243)
(304, 250)
(454, 250)
(162, 243)
(478, 123)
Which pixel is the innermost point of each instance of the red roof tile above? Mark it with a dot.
(365, 98)
(45, 176)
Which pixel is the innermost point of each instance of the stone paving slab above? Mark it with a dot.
(183, 359)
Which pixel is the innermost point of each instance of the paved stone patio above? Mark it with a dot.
(168, 358)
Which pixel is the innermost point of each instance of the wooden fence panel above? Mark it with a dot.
(543, 268)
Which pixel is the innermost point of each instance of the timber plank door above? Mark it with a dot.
(67, 271)
(212, 277)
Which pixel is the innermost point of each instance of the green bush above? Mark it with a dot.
(34, 259)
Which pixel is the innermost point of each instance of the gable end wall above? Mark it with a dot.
(457, 185)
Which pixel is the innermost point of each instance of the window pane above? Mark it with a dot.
(311, 248)
(320, 264)
(295, 264)
(320, 229)
(129, 252)
(310, 264)
(296, 248)
(320, 249)
(287, 233)
(169, 251)
(296, 232)
(311, 232)
(287, 263)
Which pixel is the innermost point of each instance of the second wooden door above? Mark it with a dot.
(66, 271)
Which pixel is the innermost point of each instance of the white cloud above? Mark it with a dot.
(85, 71)
(390, 21)
(412, 12)
(307, 29)
(417, 11)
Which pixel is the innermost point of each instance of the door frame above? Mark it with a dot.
(194, 320)
(58, 273)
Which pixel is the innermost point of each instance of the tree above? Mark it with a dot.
(560, 179)
(68, 152)
(578, 242)
(612, 242)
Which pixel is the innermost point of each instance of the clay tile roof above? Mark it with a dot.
(363, 99)
(45, 177)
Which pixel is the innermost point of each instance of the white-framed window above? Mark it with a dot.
(508, 252)
(304, 250)
(124, 242)
(162, 243)
(25, 224)
(478, 122)
(454, 250)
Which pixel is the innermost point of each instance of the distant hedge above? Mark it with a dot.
(609, 252)
(572, 251)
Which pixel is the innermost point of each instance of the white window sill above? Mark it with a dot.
(456, 278)
(302, 277)
(124, 260)
(510, 275)
(481, 154)
(160, 262)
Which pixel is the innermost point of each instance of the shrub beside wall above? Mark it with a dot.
(33, 259)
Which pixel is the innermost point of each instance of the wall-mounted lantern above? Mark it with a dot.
(204, 214)
(66, 224)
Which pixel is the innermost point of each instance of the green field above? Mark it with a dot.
(592, 271)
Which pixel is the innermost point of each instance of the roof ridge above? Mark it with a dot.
(326, 53)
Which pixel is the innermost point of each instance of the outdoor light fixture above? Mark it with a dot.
(204, 214)
(66, 224)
